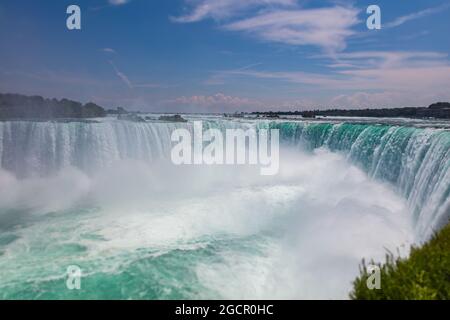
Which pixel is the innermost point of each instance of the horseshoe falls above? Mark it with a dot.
(415, 161)
(104, 196)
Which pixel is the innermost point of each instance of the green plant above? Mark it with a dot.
(424, 275)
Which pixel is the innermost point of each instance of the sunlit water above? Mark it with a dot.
(103, 196)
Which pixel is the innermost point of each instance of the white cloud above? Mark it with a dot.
(386, 59)
(222, 9)
(327, 28)
(372, 78)
(363, 99)
(217, 102)
(387, 99)
(108, 50)
(416, 15)
(281, 21)
(369, 70)
(118, 2)
(126, 80)
(122, 76)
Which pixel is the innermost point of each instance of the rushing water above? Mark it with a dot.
(104, 196)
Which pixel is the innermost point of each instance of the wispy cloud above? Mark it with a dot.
(363, 99)
(109, 4)
(409, 77)
(218, 101)
(219, 77)
(369, 70)
(387, 59)
(223, 9)
(416, 15)
(108, 50)
(126, 80)
(122, 76)
(280, 21)
(118, 2)
(303, 27)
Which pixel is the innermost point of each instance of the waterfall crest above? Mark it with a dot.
(416, 161)
(41, 148)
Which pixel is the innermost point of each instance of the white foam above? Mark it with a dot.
(313, 223)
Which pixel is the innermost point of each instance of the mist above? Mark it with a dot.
(300, 234)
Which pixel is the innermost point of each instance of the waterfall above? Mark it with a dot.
(41, 148)
(416, 161)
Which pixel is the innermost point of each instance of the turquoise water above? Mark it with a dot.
(103, 196)
(415, 161)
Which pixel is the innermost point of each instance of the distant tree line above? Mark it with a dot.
(17, 106)
(117, 111)
(439, 110)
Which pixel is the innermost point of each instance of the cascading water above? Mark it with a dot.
(104, 196)
(41, 148)
(416, 161)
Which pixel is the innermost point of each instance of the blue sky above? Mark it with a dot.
(228, 55)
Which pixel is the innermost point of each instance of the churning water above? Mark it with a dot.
(104, 196)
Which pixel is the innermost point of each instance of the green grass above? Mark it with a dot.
(425, 275)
